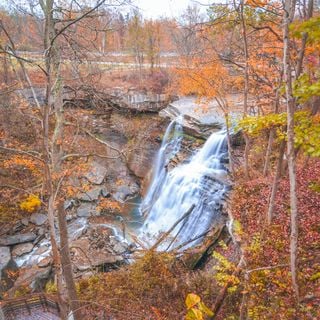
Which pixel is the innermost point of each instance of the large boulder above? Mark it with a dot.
(93, 194)
(77, 228)
(18, 238)
(38, 218)
(7, 269)
(22, 248)
(87, 210)
(34, 278)
(125, 192)
(84, 257)
(5, 257)
(99, 248)
(96, 173)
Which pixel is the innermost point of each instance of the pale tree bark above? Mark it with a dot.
(66, 263)
(289, 9)
(271, 134)
(282, 147)
(275, 183)
(49, 188)
(223, 104)
(246, 84)
(53, 151)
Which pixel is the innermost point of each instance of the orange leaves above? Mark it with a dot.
(204, 79)
(158, 314)
(109, 205)
(18, 161)
(257, 3)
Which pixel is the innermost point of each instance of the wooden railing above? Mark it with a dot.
(10, 307)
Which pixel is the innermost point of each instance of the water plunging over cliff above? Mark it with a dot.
(199, 182)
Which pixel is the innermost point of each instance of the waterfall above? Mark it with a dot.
(169, 148)
(198, 182)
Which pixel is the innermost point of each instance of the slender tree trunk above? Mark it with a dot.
(246, 85)
(66, 264)
(224, 290)
(57, 154)
(276, 180)
(304, 40)
(271, 135)
(268, 152)
(53, 151)
(288, 16)
(56, 256)
(231, 164)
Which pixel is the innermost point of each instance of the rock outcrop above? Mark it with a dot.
(18, 238)
(197, 120)
(138, 102)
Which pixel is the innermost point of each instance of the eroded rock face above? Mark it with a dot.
(137, 101)
(18, 238)
(147, 144)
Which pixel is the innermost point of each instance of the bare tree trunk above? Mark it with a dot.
(304, 40)
(276, 180)
(246, 84)
(271, 135)
(56, 256)
(268, 152)
(244, 301)
(231, 164)
(66, 264)
(287, 19)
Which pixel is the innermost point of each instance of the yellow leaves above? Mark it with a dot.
(30, 204)
(51, 287)
(196, 308)
(307, 129)
(192, 300)
(225, 272)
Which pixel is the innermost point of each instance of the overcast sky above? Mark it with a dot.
(169, 8)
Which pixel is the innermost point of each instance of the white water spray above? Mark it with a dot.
(198, 182)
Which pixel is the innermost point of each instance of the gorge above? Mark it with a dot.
(186, 170)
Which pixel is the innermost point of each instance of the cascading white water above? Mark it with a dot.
(169, 147)
(198, 182)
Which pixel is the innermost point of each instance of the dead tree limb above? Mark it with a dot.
(166, 234)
